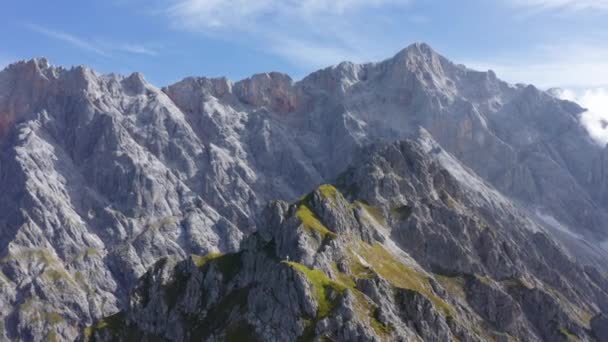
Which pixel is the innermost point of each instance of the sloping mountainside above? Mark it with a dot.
(412, 248)
(102, 176)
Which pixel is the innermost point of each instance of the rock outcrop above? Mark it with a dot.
(389, 266)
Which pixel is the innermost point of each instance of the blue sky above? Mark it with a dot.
(545, 42)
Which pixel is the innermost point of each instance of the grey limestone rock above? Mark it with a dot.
(103, 176)
(337, 265)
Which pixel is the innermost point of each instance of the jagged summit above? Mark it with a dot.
(417, 57)
(42, 67)
(28, 70)
(417, 49)
(38, 62)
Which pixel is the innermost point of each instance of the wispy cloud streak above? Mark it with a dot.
(69, 39)
(137, 49)
(309, 33)
(104, 49)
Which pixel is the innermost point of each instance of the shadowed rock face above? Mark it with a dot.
(416, 247)
(103, 175)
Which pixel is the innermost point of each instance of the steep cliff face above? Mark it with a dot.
(103, 175)
(428, 252)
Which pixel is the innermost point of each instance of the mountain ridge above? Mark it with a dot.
(104, 174)
(379, 285)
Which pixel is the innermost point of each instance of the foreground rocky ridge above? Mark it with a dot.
(421, 255)
(103, 175)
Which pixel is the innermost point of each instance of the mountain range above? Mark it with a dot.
(428, 202)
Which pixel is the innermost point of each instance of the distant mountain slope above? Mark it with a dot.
(103, 175)
(428, 252)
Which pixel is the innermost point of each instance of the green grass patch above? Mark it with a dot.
(322, 287)
(568, 334)
(201, 261)
(357, 269)
(343, 277)
(312, 224)
(329, 192)
(228, 264)
(400, 275)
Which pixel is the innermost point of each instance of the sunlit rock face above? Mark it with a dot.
(101, 176)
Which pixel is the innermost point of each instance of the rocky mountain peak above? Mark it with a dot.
(136, 83)
(502, 198)
(192, 87)
(417, 50)
(29, 81)
(424, 62)
(39, 66)
(273, 90)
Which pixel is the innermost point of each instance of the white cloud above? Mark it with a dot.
(577, 5)
(309, 53)
(136, 49)
(595, 119)
(308, 33)
(68, 38)
(210, 14)
(98, 47)
(581, 68)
